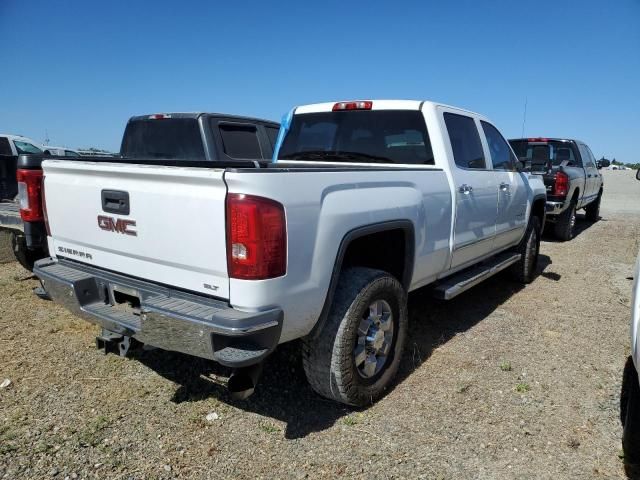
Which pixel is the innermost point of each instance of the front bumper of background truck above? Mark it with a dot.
(165, 317)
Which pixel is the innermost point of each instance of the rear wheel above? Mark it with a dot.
(24, 256)
(529, 247)
(566, 222)
(593, 209)
(356, 355)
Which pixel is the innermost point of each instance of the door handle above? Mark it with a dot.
(589, 175)
(505, 187)
(465, 189)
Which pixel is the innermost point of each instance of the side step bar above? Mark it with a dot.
(461, 282)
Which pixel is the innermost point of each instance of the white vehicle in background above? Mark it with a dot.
(365, 201)
(60, 151)
(630, 395)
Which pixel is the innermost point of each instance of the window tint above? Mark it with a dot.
(168, 138)
(240, 141)
(584, 153)
(25, 147)
(272, 133)
(592, 159)
(5, 148)
(70, 153)
(501, 155)
(362, 136)
(465, 141)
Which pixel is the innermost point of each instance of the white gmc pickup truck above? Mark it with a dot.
(364, 202)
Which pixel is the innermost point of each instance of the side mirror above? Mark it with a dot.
(638, 174)
(602, 164)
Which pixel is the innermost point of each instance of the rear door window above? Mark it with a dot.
(240, 141)
(502, 157)
(465, 141)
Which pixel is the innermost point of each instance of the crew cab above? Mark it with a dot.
(630, 394)
(171, 136)
(364, 202)
(571, 175)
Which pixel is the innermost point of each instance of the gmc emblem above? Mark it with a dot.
(117, 225)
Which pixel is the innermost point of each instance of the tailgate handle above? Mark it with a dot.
(115, 201)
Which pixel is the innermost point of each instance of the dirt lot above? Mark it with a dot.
(502, 382)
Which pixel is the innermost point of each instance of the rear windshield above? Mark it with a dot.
(168, 138)
(370, 136)
(541, 152)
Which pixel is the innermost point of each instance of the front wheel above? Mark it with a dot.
(354, 358)
(529, 248)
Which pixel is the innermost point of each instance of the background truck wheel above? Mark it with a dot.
(566, 222)
(524, 271)
(25, 257)
(593, 209)
(356, 355)
(630, 416)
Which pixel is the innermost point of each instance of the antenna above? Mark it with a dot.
(46, 137)
(524, 116)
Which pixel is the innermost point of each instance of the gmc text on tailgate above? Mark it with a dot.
(365, 201)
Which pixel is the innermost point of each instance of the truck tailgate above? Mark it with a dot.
(173, 233)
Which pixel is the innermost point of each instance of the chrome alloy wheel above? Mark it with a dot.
(573, 219)
(375, 337)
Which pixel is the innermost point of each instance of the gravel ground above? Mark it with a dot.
(502, 382)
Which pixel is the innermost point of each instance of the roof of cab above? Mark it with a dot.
(19, 138)
(382, 105)
(199, 114)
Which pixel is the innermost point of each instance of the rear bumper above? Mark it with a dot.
(166, 318)
(554, 208)
(10, 217)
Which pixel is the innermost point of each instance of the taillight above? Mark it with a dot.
(360, 105)
(256, 237)
(561, 186)
(30, 194)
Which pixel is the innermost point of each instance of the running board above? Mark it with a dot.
(461, 282)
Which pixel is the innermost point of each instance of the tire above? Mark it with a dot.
(525, 269)
(25, 257)
(566, 223)
(363, 299)
(593, 209)
(630, 416)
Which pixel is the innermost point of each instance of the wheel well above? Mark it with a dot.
(576, 194)
(538, 210)
(387, 250)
